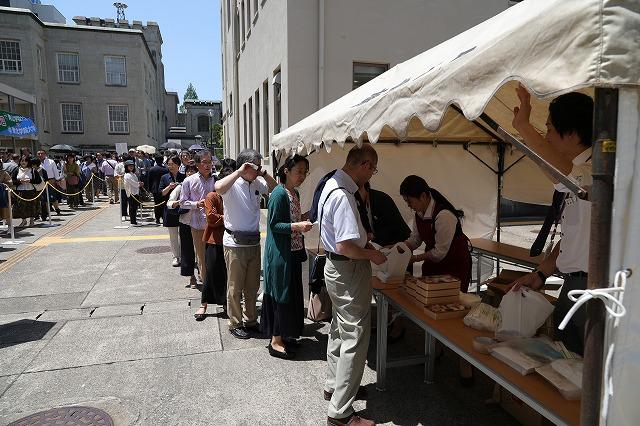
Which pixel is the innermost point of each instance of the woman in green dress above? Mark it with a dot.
(282, 316)
(72, 172)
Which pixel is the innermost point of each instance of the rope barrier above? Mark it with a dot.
(28, 200)
(99, 178)
(77, 193)
(140, 202)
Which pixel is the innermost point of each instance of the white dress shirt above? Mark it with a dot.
(51, 168)
(242, 207)
(575, 222)
(445, 225)
(340, 218)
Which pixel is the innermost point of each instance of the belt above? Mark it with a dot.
(336, 256)
(578, 274)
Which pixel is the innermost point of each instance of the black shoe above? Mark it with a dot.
(239, 333)
(254, 330)
(282, 355)
(292, 343)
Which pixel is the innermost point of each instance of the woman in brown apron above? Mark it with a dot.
(447, 248)
(437, 224)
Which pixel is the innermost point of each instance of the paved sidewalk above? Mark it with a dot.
(96, 316)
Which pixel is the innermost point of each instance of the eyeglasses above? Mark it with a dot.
(371, 166)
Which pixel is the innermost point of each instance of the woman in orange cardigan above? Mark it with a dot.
(215, 284)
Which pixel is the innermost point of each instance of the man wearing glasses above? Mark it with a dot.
(241, 192)
(194, 191)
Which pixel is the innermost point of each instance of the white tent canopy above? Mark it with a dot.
(550, 46)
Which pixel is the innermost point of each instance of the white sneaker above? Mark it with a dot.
(176, 262)
(124, 218)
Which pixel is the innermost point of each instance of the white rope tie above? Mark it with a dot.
(579, 297)
(619, 282)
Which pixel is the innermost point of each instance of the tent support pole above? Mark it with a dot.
(603, 164)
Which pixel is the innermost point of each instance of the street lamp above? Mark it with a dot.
(210, 131)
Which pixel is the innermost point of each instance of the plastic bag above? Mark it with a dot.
(398, 258)
(522, 313)
(482, 317)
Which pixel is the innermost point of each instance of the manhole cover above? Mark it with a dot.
(154, 250)
(67, 416)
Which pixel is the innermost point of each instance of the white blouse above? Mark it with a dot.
(24, 174)
(131, 184)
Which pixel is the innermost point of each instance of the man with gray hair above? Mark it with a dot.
(347, 274)
(194, 191)
(241, 192)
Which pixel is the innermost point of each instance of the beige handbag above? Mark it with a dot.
(319, 306)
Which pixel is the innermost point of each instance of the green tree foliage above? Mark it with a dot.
(190, 93)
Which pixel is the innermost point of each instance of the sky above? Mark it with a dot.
(190, 33)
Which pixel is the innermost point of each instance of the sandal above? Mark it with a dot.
(201, 316)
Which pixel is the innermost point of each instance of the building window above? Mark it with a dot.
(72, 118)
(203, 123)
(362, 72)
(228, 14)
(40, 63)
(242, 20)
(255, 9)
(68, 68)
(116, 70)
(277, 105)
(250, 123)
(230, 104)
(257, 104)
(10, 59)
(118, 119)
(265, 114)
(43, 112)
(244, 122)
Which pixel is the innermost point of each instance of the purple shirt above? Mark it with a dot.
(194, 189)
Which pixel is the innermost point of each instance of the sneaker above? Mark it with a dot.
(176, 262)
(124, 218)
(111, 202)
(239, 333)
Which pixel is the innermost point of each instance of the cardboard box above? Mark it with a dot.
(434, 293)
(430, 285)
(524, 414)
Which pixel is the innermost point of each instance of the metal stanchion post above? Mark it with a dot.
(48, 207)
(122, 225)
(12, 241)
(93, 192)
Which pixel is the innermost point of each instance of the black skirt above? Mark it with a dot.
(286, 319)
(215, 282)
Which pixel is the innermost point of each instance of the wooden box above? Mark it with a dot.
(449, 311)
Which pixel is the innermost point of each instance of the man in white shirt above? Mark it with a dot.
(347, 275)
(119, 173)
(241, 192)
(108, 169)
(567, 146)
(53, 177)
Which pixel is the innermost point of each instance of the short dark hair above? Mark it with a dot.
(289, 164)
(360, 154)
(228, 167)
(573, 112)
(247, 156)
(159, 159)
(414, 186)
(175, 160)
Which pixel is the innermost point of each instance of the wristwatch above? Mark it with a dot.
(542, 276)
(264, 173)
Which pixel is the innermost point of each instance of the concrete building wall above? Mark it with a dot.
(171, 102)
(289, 34)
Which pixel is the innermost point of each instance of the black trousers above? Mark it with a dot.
(124, 203)
(573, 334)
(187, 252)
(158, 210)
(133, 210)
(215, 283)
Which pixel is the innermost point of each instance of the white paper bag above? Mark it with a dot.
(398, 258)
(522, 313)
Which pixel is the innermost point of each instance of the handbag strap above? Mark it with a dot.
(321, 209)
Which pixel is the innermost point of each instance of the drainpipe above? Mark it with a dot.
(320, 54)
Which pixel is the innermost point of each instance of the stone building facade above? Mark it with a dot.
(95, 83)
